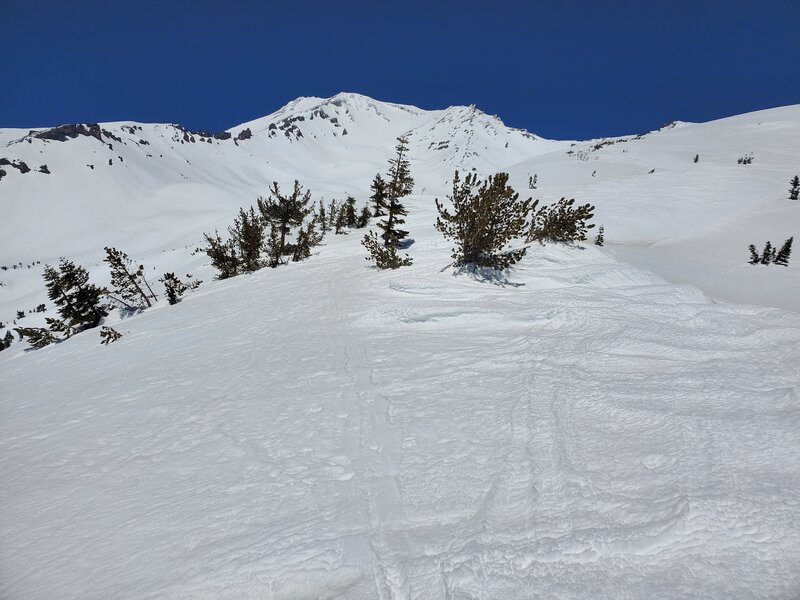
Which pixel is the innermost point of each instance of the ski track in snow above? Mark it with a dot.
(328, 431)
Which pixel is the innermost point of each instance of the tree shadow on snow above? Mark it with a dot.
(484, 275)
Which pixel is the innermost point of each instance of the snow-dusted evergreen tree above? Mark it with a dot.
(600, 239)
(223, 255)
(129, 282)
(486, 216)
(79, 302)
(782, 258)
(378, 198)
(247, 233)
(794, 188)
(400, 184)
(322, 217)
(341, 220)
(285, 211)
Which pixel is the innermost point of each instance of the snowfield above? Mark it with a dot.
(596, 423)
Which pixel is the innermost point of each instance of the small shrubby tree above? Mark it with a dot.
(363, 218)
(223, 255)
(385, 257)
(561, 222)
(37, 337)
(79, 302)
(754, 256)
(794, 188)
(600, 239)
(283, 212)
(485, 217)
(174, 288)
(109, 335)
(349, 210)
(247, 235)
(129, 283)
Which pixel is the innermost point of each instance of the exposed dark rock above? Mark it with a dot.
(21, 167)
(4, 161)
(245, 134)
(44, 169)
(2, 173)
(91, 167)
(144, 142)
(110, 162)
(222, 135)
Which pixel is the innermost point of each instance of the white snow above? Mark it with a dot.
(581, 427)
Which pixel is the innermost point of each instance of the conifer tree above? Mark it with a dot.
(341, 220)
(400, 184)
(350, 211)
(9, 338)
(247, 233)
(768, 255)
(129, 283)
(561, 222)
(600, 239)
(322, 217)
(782, 258)
(223, 255)
(173, 287)
(378, 198)
(754, 257)
(333, 213)
(285, 211)
(794, 189)
(384, 257)
(273, 247)
(59, 326)
(109, 335)
(486, 216)
(78, 301)
(37, 337)
(363, 218)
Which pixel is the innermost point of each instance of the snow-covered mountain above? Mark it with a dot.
(599, 422)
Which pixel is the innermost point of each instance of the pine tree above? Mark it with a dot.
(768, 255)
(59, 326)
(350, 211)
(109, 335)
(486, 216)
(782, 257)
(37, 337)
(322, 217)
(384, 257)
(333, 213)
(600, 239)
(794, 190)
(341, 220)
(285, 211)
(78, 301)
(561, 222)
(247, 233)
(378, 198)
(173, 287)
(754, 257)
(363, 218)
(273, 247)
(223, 255)
(9, 338)
(129, 284)
(400, 185)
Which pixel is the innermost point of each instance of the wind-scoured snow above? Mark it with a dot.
(579, 427)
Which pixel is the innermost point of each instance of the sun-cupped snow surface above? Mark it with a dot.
(580, 429)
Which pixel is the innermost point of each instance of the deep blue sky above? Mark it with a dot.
(560, 68)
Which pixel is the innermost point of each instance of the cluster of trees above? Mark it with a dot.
(82, 305)
(771, 254)
(747, 159)
(794, 188)
(387, 200)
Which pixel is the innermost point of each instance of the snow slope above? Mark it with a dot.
(578, 428)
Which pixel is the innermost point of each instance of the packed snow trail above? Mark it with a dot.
(325, 430)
